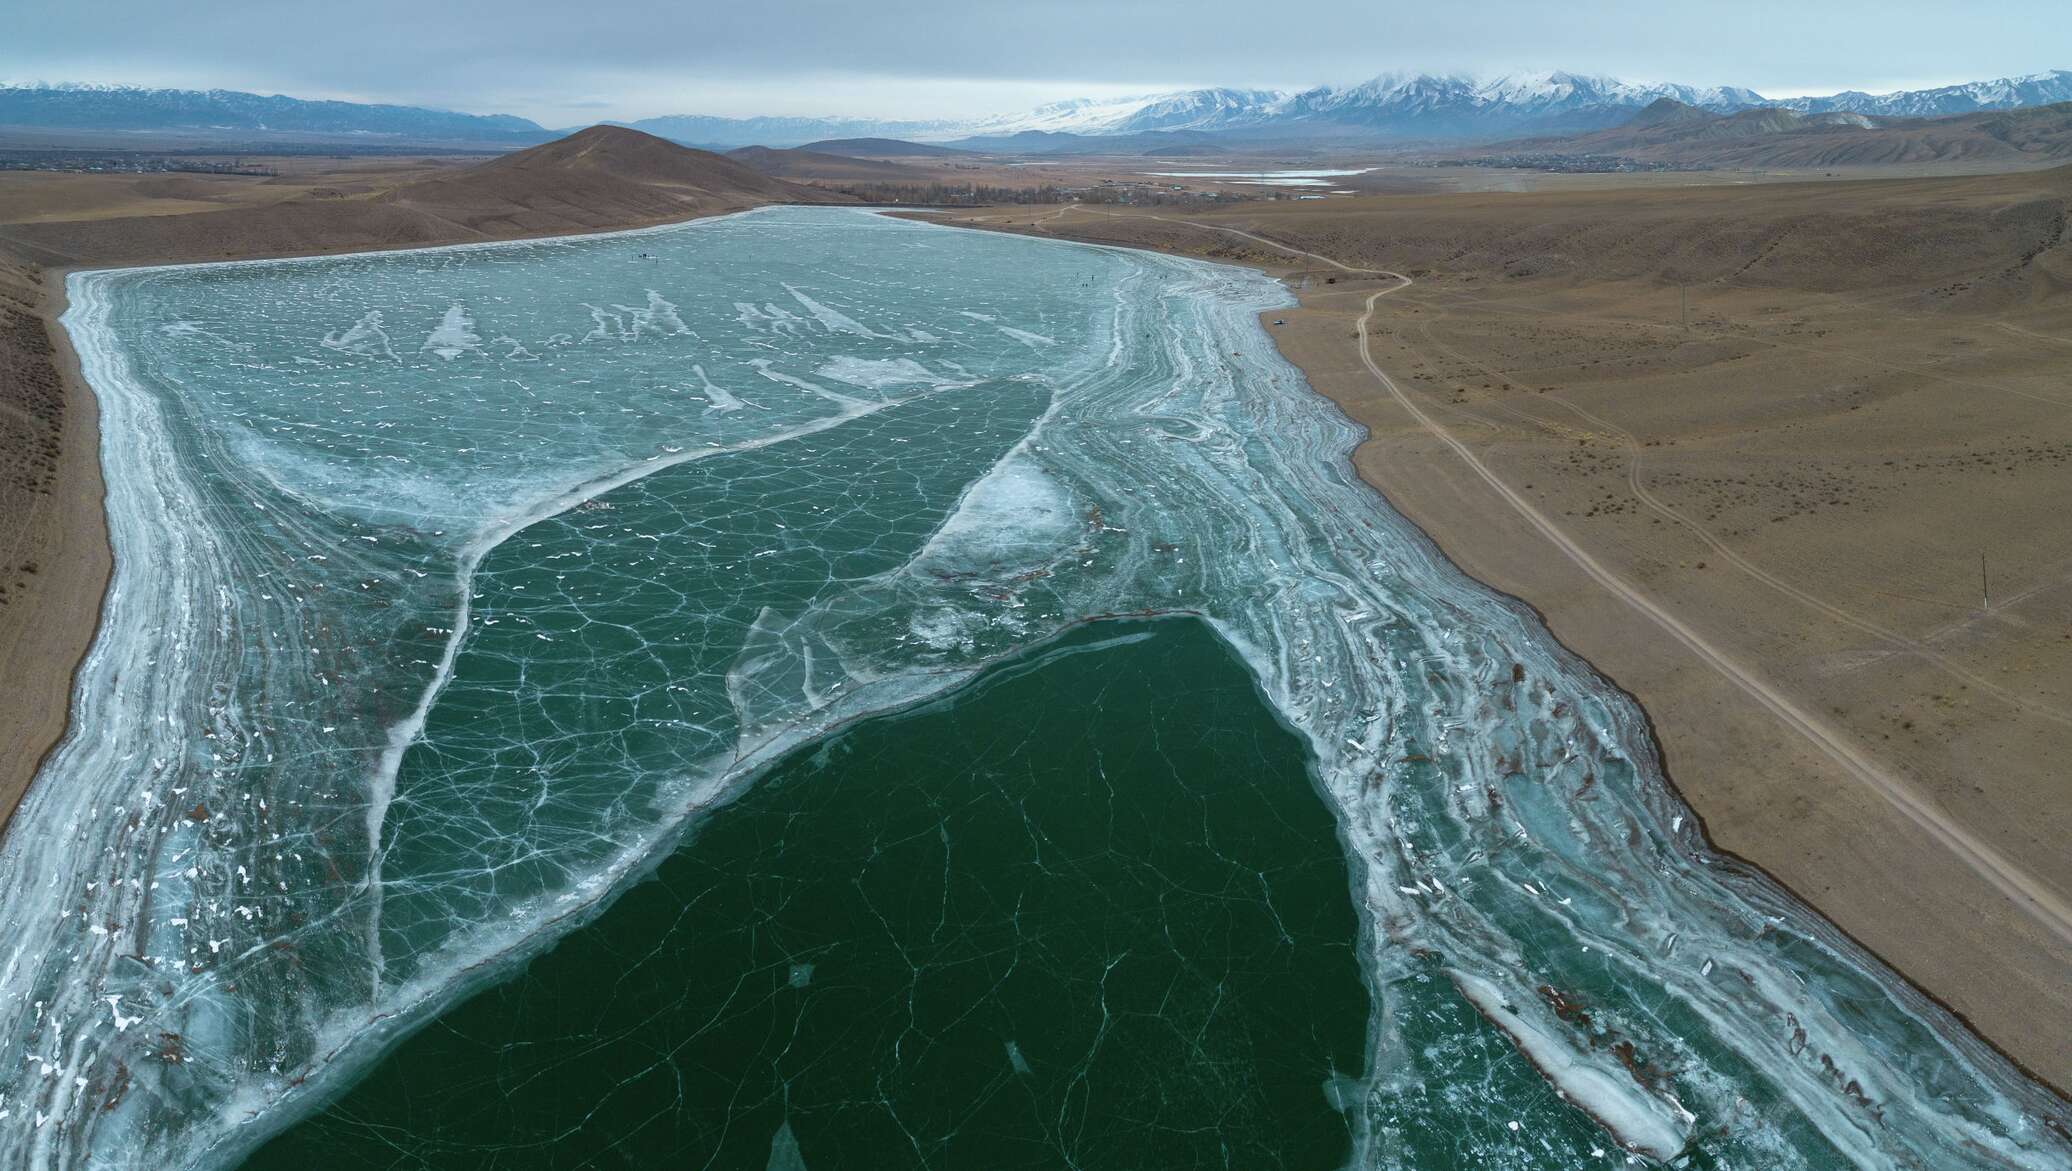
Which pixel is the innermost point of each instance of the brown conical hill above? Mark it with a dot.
(1667, 111)
(603, 176)
(595, 180)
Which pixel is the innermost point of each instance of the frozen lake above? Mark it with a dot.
(456, 590)
(1323, 178)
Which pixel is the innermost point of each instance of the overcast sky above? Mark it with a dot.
(563, 63)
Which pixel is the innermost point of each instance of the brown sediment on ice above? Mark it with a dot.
(1644, 1120)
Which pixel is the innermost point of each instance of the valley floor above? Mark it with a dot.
(1865, 395)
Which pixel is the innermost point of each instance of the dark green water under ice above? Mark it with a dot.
(1088, 912)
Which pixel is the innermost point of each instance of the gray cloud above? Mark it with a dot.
(923, 57)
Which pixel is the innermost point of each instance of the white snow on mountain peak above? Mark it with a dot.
(1396, 105)
(1079, 116)
(1410, 104)
(1399, 96)
(2033, 89)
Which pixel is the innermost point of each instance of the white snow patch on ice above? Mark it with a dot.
(721, 398)
(455, 335)
(762, 367)
(1639, 1120)
(1023, 336)
(1015, 516)
(366, 338)
(609, 326)
(658, 317)
(880, 373)
(833, 319)
(944, 629)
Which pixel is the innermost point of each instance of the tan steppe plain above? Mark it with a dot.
(1872, 387)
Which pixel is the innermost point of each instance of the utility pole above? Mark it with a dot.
(1685, 290)
(1985, 590)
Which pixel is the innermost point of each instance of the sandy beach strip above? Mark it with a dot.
(51, 613)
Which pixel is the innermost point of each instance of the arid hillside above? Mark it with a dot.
(601, 178)
(885, 148)
(53, 546)
(1671, 132)
(807, 165)
(606, 172)
(1972, 243)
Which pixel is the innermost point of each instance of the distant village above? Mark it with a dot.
(125, 163)
(1107, 191)
(1568, 164)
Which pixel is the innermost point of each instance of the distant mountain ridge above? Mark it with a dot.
(881, 148)
(798, 163)
(604, 178)
(1397, 107)
(1393, 107)
(715, 133)
(130, 108)
(1774, 137)
(2006, 93)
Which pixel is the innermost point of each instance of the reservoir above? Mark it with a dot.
(813, 688)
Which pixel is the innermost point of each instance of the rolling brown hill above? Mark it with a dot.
(606, 171)
(885, 148)
(598, 179)
(809, 165)
(1952, 244)
(1671, 132)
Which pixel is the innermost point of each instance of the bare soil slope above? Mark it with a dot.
(808, 165)
(607, 172)
(1773, 138)
(53, 545)
(601, 178)
(884, 148)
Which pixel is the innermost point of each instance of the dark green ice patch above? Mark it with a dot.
(1090, 911)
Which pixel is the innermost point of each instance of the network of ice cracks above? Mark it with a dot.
(453, 584)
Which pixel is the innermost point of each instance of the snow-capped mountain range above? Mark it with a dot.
(1397, 106)
(225, 113)
(1391, 107)
(1422, 104)
(2036, 89)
